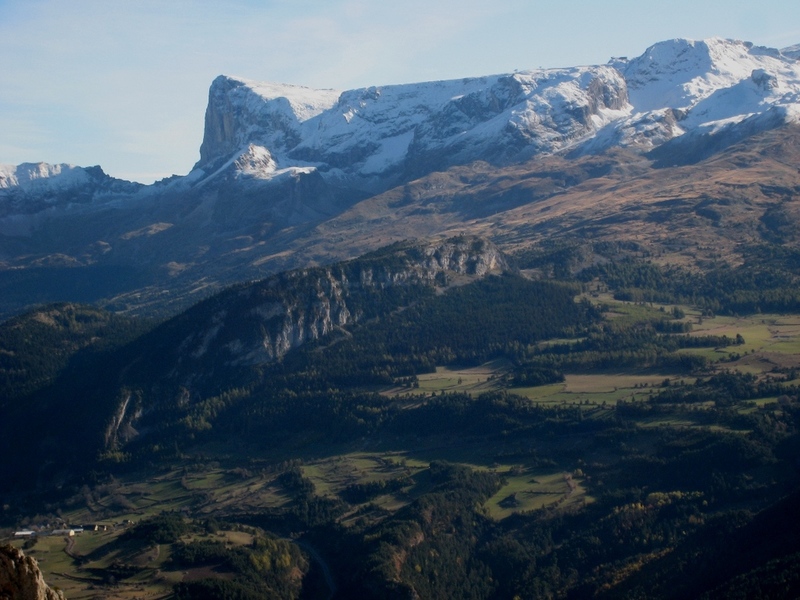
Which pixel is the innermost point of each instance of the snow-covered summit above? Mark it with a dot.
(33, 176)
(31, 187)
(680, 74)
(703, 87)
(358, 136)
(369, 138)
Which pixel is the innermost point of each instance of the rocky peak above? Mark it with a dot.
(764, 79)
(241, 112)
(21, 579)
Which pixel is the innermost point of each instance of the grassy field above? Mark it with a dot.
(99, 553)
(770, 341)
(471, 380)
(531, 490)
(332, 475)
(596, 389)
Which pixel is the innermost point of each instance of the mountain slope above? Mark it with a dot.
(285, 173)
(219, 344)
(37, 346)
(691, 215)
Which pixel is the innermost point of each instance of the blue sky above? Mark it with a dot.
(124, 83)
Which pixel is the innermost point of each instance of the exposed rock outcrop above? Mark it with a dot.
(21, 579)
(240, 112)
(261, 322)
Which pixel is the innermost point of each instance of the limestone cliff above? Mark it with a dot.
(372, 138)
(260, 322)
(21, 579)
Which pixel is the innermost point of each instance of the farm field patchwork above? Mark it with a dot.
(541, 471)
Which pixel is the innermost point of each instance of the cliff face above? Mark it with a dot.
(241, 111)
(21, 579)
(261, 322)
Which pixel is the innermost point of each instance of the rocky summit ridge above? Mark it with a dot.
(259, 322)
(394, 133)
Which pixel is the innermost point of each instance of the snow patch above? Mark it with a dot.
(40, 176)
(392, 151)
(304, 103)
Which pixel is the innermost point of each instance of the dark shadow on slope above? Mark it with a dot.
(691, 148)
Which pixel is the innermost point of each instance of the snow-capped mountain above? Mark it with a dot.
(277, 162)
(709, 87)
(30, 176)
(32, 187)
(370, 137)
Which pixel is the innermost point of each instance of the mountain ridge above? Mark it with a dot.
(280, 164)
(674, 87)
(120, 391)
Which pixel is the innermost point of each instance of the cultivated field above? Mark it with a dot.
(233, 485)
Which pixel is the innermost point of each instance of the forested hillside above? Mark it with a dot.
(631, 432)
